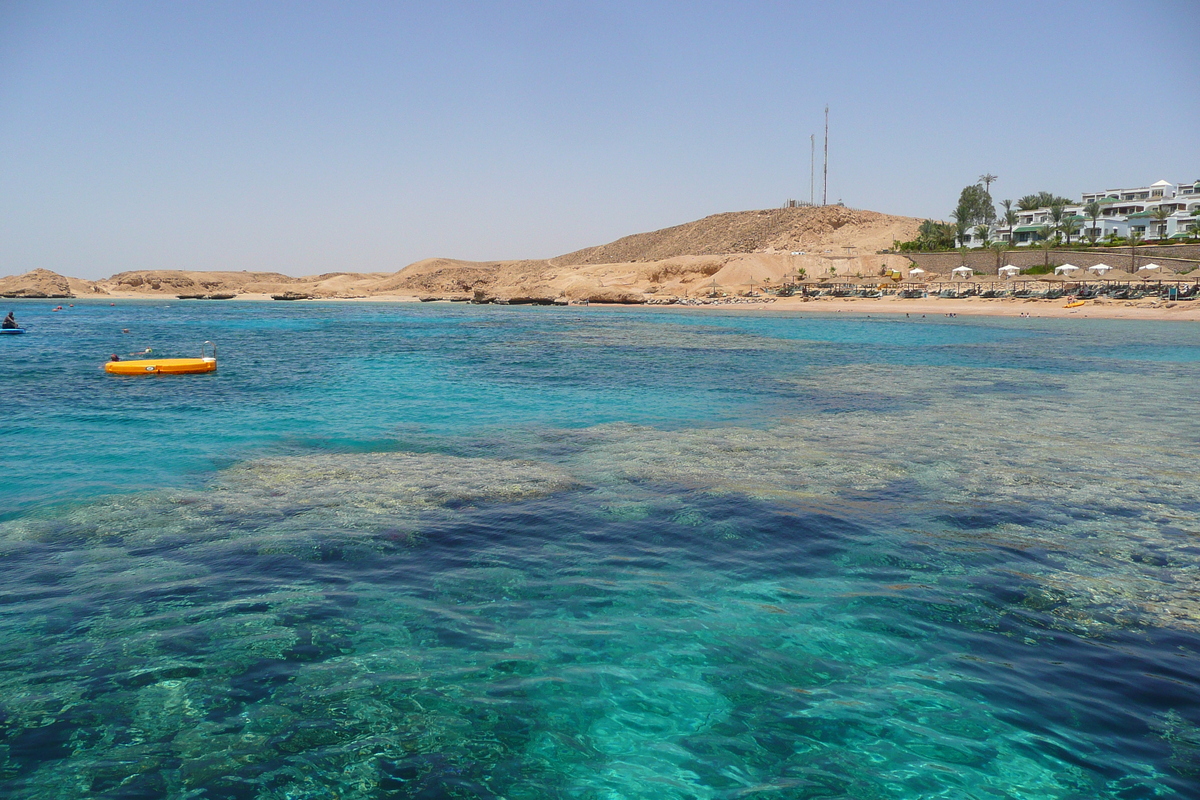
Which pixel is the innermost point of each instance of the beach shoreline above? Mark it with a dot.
(968, 306)
(1148, 309)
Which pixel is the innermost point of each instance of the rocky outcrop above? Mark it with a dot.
(177, 282)
(618, 296)
(37, 283)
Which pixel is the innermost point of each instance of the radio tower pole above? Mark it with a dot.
(825, 187)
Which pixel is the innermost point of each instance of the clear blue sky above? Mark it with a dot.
(316, 137)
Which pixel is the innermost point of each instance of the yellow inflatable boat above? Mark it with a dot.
(1075, 304)
(166, 366)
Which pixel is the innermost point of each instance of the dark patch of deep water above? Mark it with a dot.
(550, 647)
(431, 552)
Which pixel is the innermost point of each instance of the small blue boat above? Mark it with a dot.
(12, 330)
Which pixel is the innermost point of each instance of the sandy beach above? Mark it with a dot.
(989, 307)
(1149, 309)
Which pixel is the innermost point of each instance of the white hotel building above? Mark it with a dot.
(1122, 211)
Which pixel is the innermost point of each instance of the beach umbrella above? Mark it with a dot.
(1065, 269)
(916, 271)
(1149, 267)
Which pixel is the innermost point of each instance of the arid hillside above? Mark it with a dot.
(43, 283)
(177, 281)
(770, 230)
(729, 253)
(732, 251)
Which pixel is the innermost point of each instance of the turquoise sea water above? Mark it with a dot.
(422, 551)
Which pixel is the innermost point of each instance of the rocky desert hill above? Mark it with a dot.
(769, 230)
(43, 283)
(729, 253)
(184, 282)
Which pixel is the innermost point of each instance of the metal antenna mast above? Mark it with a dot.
(825, 188)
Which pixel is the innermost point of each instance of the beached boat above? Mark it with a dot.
(1076, 304)
(166, 366)
(12, 330)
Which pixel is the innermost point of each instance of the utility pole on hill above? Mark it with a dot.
(825, 188)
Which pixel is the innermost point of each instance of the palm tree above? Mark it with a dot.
(984, 231)
(962, 225)
(928, 235)
(1010, 218)
(987, 179)
(1057, 213)
(1070, 226)
(1135, 238)
(1093, 210)
(999, 247)
(1045, 242)
(1160, 215)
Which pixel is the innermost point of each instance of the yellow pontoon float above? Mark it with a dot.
(166, 366)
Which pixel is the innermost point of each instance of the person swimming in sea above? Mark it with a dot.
(10, 322)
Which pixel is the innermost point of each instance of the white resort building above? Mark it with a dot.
(1160, 211)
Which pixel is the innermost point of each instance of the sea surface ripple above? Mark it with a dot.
(421, 551)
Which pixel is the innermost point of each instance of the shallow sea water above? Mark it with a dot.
(402, 551)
